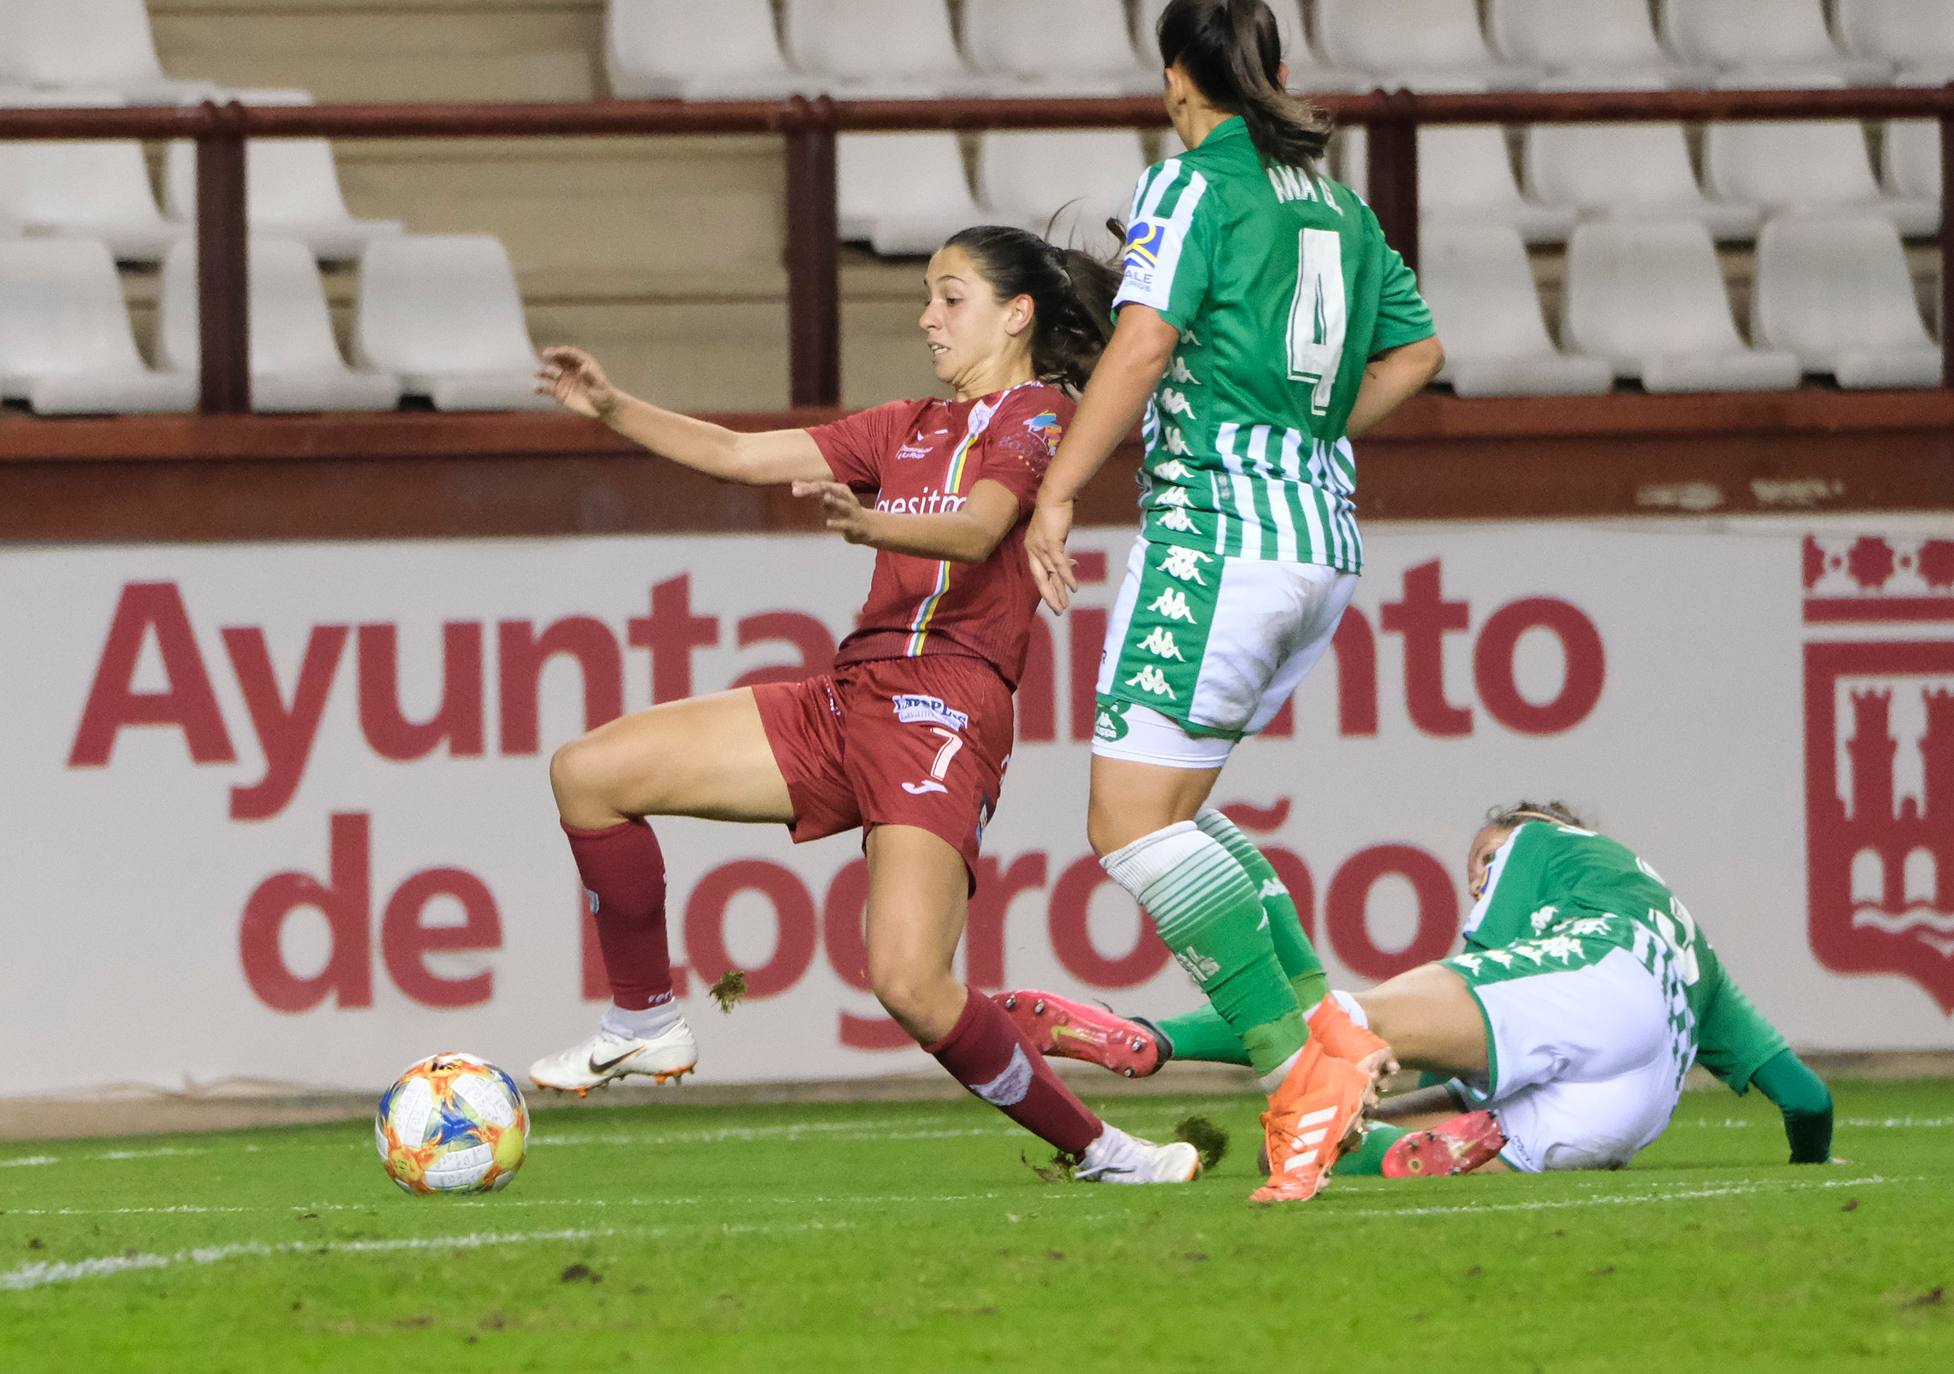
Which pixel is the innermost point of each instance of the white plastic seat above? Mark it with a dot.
(1910, 166)
(904, 193)
(444, 314)
(1082, 176)
(1836, 292)
(685, 50)
(1785, 37)
(295, 362)
(1613, 37)
(1077, 48)
(97, 44)
(84, 189)
(1309, 70)
(1905, 33)
(1480, 288)
(1466, 177)
(1803, 166)
(1414, 43)
(66, 346)
(1624, 171)
(1649, 298)
(291, 188)
(880, 48)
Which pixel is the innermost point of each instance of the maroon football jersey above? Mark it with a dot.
(923, 458)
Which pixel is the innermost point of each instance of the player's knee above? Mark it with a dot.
(579, 777)
(918, 999)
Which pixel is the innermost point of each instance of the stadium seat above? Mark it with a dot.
(1078, 48)
(1836, 292)
(66, 346)
(444, 314)
(1414, 43)
(880, 48)
(1904, 33)
(1649, 298)
(1625, 171)
(1785, 38)
(295, 363)
(1615, 37)
(904, 193)
(1084, 177)
(1910, 165)
(1309, 71)
(1803, 166)
(88, 189)
(1480, 288)
(96, 44)
(291, 188)
(683, 50)
(1465, 176)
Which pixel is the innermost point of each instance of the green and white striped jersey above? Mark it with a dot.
(1283, 288)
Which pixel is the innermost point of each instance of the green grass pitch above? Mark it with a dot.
(912, 1237)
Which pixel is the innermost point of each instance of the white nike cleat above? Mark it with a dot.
(664, 1058)
(1116, 1157)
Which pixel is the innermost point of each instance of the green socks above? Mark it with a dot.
(1210, 916)
(1293, 949)
(1368, 1158)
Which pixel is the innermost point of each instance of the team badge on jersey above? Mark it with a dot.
(1047, 428)
(1880, 830)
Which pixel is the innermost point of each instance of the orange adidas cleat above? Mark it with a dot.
(1344, 1038)
(1060, 1028)
(1310, 1117)
(1452, 1147)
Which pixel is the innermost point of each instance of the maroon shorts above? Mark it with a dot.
(900, 741)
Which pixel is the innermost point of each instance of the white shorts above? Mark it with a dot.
(1204, 650)
(1587, 1063)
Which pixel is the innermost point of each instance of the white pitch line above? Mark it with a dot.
(45, 1273)
(28, 1161)
(1629, 1199)
(1844, 1123)
(486, 1204)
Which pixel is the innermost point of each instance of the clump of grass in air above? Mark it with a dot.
(728, 988)
(1204, 1136)
(1060, 1170)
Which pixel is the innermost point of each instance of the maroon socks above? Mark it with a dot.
(623, 874)
(986, 1053)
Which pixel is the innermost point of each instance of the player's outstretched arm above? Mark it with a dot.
(1135, 360)
(1392, 378)
(967, 535)
(1806, 1103)
(575, 380)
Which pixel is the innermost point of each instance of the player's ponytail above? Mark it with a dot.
(1232, 51)
(1071, 294)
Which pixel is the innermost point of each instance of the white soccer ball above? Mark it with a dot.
(452, 1123)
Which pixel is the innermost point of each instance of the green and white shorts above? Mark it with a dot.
(1203, 650)
(1586, 1047)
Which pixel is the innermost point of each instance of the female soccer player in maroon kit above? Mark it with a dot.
(909, 735)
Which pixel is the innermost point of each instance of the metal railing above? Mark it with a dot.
(810, 128)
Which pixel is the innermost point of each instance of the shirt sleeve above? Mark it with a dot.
(855, 446)
(1165, 262)
(1021, 441)
(1734, 1040)
(1402, 315)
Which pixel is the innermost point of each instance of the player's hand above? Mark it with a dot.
(1044, 545)
(840, 511)
(572, 378)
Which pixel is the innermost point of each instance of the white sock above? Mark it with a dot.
(1351, 1007)
(648, 1024)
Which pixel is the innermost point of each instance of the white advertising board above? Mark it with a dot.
(280, 812)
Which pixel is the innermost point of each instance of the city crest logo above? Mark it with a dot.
(1879, 757)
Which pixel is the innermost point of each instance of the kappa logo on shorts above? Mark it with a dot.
(1880, 851)
(1110, 723)
(916, 709)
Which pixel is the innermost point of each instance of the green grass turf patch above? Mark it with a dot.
(913, 1237)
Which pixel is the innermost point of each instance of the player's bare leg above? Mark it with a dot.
(917, 906)
(706, 757)
(1431, 1019)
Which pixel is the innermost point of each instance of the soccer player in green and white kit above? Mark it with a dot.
(1261, 322)
(1584, 991)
